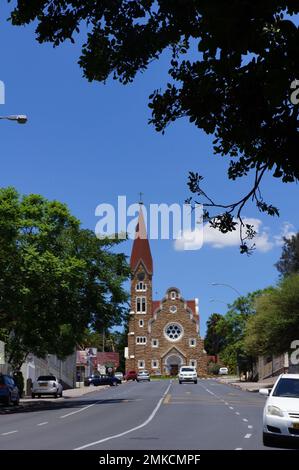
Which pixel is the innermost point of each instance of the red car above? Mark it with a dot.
(131, 375)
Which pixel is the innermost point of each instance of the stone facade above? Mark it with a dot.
(163, 335)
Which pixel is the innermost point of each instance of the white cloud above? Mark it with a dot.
(193, 240)
(287, 231)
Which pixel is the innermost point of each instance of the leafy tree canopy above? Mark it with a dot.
(56, 279)
(289, 259)
(213, 340)
(232, 327)
(276, 323)
(231, 68)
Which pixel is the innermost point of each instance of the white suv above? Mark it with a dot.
(187, 374)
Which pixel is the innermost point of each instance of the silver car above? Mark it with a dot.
(46, 385)
(143, 375)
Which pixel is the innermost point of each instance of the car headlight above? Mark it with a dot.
(274, 411)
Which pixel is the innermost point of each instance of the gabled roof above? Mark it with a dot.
(141, 249)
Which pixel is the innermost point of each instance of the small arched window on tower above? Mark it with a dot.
(141, 286)
(140, 304)
(173, 295)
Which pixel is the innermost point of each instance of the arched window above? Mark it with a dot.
(141, 286)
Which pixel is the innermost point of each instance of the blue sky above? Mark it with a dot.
(85, 144)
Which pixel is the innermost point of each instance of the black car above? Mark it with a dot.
(9, 392)
(101, 380)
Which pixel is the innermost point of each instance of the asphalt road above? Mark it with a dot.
(153, 416)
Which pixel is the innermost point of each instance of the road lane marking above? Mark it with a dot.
(167, 399)
(81, 409)
(249, 426)
(231, 408)
(7, 433)
(237, 413)
(245, 420)
(145, 423)
(42, 424)
(247, 436)
(239, 448)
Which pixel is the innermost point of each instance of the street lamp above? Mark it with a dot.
(19, 118)
(218, 300)
(226, 285)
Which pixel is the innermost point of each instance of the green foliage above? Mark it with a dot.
(289, 259)
(213, 340)
(276, 323)
(56, 278)
(232, 328)
(213, 368)
(231, 67)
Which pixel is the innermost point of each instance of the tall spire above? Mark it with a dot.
(141, 249)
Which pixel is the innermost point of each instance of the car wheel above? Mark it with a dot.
(16, 402)
(195, 381)
(180, 382)
(39, 396)
(8, 401)
(55, 395)
(32, 395)
(61, 393)
(269, 441)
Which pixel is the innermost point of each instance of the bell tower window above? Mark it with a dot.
(140, 304)
(141, 286)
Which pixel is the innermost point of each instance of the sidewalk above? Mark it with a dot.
(70, 393)
(248, 386)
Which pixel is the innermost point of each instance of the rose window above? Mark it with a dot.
(173, 331)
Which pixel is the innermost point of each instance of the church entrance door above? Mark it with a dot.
(173, 363)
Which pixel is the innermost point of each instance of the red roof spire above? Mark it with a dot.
(141, 249)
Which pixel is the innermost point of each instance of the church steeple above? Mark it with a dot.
(141, 251)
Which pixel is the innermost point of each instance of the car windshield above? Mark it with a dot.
(46, 377)
(187, 369)
(287, 388)
(143, 372)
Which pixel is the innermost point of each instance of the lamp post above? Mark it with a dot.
(218, 300)
(227, 285)
(19, 118)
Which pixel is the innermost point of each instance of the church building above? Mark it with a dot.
(163, 334)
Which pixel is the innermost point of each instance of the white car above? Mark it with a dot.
(281, 412)
(187, 374)
(223, 371)
(46, 385)
(143, 375)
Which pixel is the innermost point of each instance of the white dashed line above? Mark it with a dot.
(42, 424)
(237, 413)
(245, 420)
(239, 448)
(231, 408)
(6, 433)
(249, 426)
(226, 403)
(247, 436)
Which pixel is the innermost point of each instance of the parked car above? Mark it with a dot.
(223, 371)
(187, 374)
(102, 379)
(143, 375)
(47, 385)
(281, 411)
(9, 392)
(119, 375)
(131, 375)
